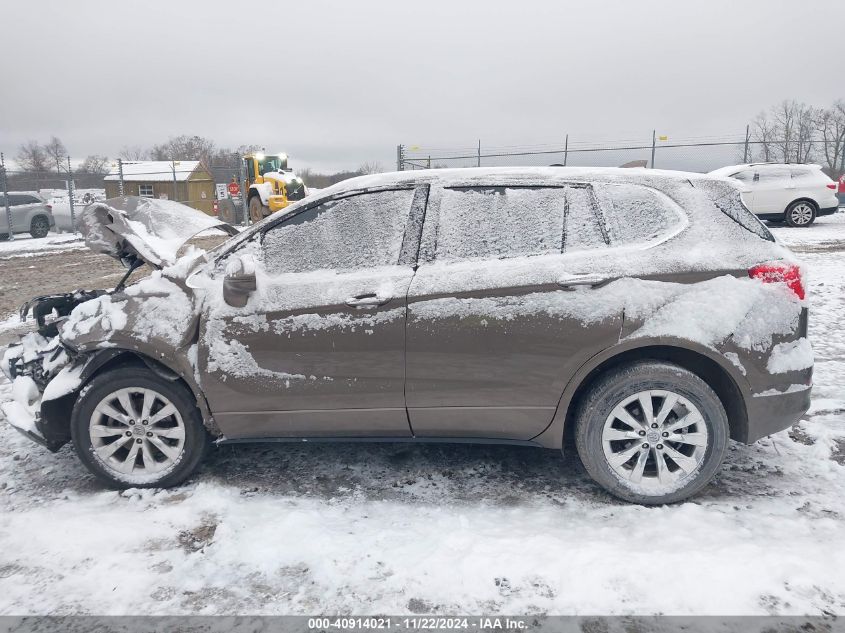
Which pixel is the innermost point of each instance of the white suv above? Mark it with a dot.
(795, 194)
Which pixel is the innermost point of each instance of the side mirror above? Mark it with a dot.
(239, 281)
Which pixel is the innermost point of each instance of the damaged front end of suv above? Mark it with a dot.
(80, 332)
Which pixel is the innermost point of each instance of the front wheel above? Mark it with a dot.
(800, 214)
(135, 429)
(651, 432)
(257, 211)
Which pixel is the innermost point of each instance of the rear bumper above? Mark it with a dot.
(773, 411)
(828, 210)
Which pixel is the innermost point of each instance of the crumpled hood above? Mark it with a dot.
(130, 228)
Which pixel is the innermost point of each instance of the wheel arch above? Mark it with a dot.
(55, 414)
(704, 362)
(802, 199)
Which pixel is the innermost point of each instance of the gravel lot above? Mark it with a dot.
(370, 529)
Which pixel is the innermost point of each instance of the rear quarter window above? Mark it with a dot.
(636, 213)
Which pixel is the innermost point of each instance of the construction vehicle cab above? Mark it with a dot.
(270, 184)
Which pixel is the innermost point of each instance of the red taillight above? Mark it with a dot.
(832, 186)
(49, 207)
(779, 273)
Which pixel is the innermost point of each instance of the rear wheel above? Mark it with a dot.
(651, 432)
(135, 429)
(800, 213)
(39, 227)
(257, 211)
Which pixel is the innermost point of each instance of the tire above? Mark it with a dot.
(600, 434)
(181, 433)
(257, 211)
(800, 213)
(39, 227)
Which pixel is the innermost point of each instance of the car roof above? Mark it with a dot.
(511, 175)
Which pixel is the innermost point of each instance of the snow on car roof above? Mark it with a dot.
(493, 175)
(155, 170)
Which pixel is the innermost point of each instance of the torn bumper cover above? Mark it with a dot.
(42, 371)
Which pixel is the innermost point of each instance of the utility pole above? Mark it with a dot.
(653, 145)
(565, 150)
(745, 153)
(70, 190)
(173, 166)
(120, 176)
(478, 163)
(6, 197)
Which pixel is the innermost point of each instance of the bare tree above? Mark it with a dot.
(57, 153)
(94, 164)
(184, 147)
(763, 136)
(370, 168)
(132, 152)
(795, 124)
(31, 157)
(830, 123)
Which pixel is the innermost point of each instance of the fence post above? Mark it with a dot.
(745, 153)
(70, 190)
(400, 157)
(6, 196)
(653, 146)
(479, 154)
(244, 210)
(120, 176)
(565, 150)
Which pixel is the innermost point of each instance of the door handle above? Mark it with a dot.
(366, 301)
(592, 281)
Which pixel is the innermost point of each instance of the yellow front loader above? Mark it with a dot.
(270, 185)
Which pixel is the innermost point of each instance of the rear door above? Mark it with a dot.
(319, 349)
(773, 190)
(499, 315)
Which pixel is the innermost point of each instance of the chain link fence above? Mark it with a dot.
(697, 154)
(215, 189)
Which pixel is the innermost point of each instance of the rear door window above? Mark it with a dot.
(772, 175)
(499, 222)
(511, 221)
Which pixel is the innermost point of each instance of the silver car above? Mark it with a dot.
(30, 214)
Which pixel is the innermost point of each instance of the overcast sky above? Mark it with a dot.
(338, 83)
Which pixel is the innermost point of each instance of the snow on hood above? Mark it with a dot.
(131, 227)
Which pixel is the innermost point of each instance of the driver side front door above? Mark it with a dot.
(319, 349)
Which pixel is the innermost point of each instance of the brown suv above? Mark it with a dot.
(647, 317)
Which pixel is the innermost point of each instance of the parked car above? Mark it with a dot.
(795, 194)
(643, 318)
(30, 214)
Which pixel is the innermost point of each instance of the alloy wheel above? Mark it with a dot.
(801, 214)
(655, 440)
(137, 434)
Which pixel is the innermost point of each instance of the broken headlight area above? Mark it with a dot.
(37, 357)
(49, 310)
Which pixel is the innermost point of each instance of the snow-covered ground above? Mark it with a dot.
(371, 529)
(26, 246)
